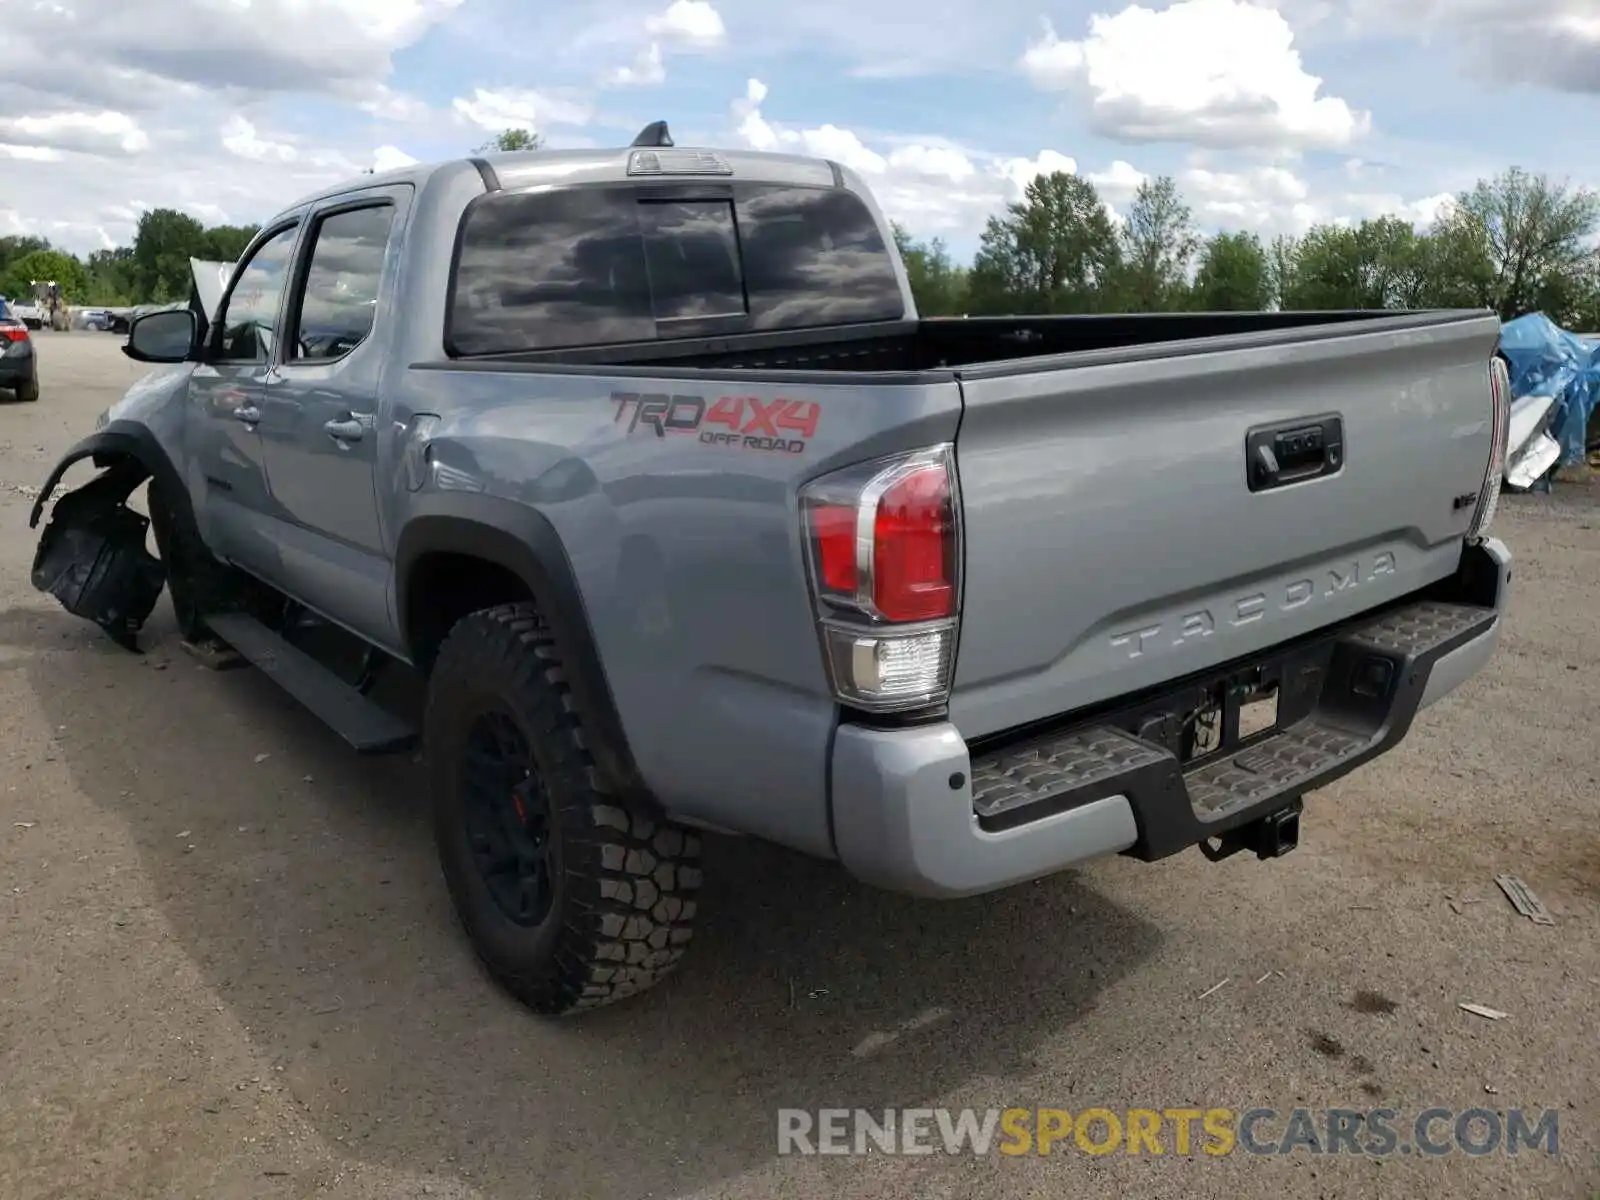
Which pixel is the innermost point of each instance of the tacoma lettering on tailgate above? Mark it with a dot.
(1200, 623)
(780, 426)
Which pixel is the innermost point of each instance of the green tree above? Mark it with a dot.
(109, 277)
(1456, 266)
(163, 244)
(1234, 275)
(1158, 245)
(226, 243)
(939, 286)
(508, 140)
(1395, 264)
(1380, 263)
(1282, 256)
(1535, 235)
(44, 265)
(15, 247)
(1585, 314)
(1323, 270)
(1051, 253)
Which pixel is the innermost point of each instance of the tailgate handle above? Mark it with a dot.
(1293, 451)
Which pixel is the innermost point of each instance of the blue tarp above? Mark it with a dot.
(1546, 360)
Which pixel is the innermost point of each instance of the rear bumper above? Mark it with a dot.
(916, 811)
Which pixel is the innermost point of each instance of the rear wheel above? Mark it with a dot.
(28, 392)
(572, 898)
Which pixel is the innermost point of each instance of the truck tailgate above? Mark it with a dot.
(1117, 537)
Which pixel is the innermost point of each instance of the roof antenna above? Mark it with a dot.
(654, 134)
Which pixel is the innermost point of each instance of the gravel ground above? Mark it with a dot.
(228, 966)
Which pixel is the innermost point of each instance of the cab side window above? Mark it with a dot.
(335, 311)
(250, 314)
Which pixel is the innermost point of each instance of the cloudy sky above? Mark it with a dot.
(1273, 114)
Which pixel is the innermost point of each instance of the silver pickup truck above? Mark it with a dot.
(643, 461)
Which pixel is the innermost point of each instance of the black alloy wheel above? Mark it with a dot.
(508, 818)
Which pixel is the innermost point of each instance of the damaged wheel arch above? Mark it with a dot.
(92, 555)
(122, 441)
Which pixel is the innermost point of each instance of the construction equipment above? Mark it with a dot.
(47, 296)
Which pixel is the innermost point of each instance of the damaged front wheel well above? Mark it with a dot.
(93, 558)
(109, 452)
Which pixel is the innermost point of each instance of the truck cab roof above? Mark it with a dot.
(522, 169)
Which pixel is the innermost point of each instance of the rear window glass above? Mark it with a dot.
(596, 266)
(691, 254)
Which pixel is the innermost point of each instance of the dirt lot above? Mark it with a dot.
(228, 967)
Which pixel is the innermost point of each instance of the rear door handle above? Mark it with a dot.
(249, 414)
(348, 430)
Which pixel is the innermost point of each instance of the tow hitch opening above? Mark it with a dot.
(1271, 836)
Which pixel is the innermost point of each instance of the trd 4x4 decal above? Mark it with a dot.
(779, 426)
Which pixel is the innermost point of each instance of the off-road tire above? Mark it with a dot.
(28, 393)
(624, 879)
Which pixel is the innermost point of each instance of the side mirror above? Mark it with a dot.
(163, 337)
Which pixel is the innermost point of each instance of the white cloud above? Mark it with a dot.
(1221, 73)
(648, 68)
(384, 102)
(120, 108)
(932, 162)
(232, 108)
(1273, 200)
(683, 26)
(1020, 172)
(688, 23)
(1265, 200)
(105, 132)
(495, 109)
(842, 147)
(262, 46)
(935, 188)
(1421, 213)
(239, 137)
(29, 153)
(938, 188)
(1119, 182)
(1552, 44)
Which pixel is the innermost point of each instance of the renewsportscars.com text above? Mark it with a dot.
(1378, 1132)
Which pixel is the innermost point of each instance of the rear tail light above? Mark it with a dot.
(884, 548)
(14, 333)
(1500, 419)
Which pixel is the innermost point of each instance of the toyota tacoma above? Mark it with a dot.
(643, 461)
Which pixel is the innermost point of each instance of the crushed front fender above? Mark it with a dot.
(92, 555)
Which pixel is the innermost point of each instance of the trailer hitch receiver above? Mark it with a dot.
(1271, 836)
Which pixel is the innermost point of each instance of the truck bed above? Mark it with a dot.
(970, 346)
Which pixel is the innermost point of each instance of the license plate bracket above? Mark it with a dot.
(1258, 712)
(1231, 714)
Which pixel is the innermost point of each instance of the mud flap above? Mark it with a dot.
(92, 556)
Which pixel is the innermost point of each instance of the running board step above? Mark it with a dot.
(369, 728)
(1281, 765)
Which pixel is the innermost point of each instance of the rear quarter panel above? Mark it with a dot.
(688, 558)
